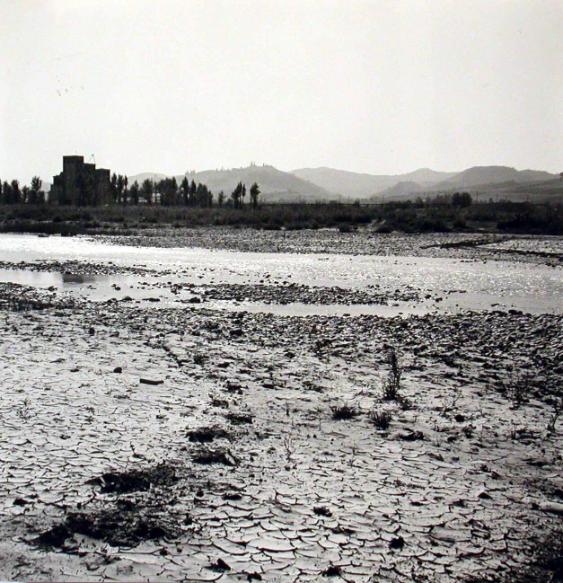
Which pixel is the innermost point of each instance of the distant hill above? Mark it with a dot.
(542, 191)
(140, 178)
(321, 184)
(401, 189)
(481, 175)
(275, 185)
(356, 185)
(491, 181)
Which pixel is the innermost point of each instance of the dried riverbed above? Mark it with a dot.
(364, 241)
(203, 444)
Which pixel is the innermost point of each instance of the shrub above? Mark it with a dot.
(392, 385)
(343, 412)
(381, 419)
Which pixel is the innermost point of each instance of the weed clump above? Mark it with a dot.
(343, 412)
(556, 412)
(392, 385)
(519, 387)
(381, 419)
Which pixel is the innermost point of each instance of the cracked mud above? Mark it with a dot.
(272, 448)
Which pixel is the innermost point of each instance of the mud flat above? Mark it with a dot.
(202, 444)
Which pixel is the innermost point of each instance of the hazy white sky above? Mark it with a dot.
(379, 86)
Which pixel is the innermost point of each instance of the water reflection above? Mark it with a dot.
(77, 278)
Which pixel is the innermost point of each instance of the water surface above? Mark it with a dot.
(460, 283)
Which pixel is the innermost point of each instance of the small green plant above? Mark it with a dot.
(392, 385)
(288, 446)
(519, 387)
(24, 410)
(557, 408)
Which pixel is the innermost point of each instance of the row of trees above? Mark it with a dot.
(165, 192)
(239, 194)
(12, 193)
(457, 199)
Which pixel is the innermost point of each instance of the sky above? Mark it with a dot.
(377, 86)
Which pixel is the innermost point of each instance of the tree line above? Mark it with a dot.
(13, 193)
(165, 192)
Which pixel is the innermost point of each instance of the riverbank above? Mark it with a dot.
(405, 217)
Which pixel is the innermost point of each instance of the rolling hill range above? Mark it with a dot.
(496, 182)
(323, 184)
(275, 185)
(481, 175)
(354, 185)
(545, 191)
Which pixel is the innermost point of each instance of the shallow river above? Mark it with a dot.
(460, 283)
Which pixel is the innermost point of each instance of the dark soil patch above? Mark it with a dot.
(136, 480)
(207, 434)
(54, 537)
(215, 456)
(239, 418)
(121, 525)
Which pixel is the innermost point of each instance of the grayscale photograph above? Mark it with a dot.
(281, 292)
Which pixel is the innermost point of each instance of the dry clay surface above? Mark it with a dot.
(194, 445)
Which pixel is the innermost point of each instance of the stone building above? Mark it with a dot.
(81, 184)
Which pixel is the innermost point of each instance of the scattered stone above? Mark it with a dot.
(220, 566)
(332, 571)
(397, 543)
